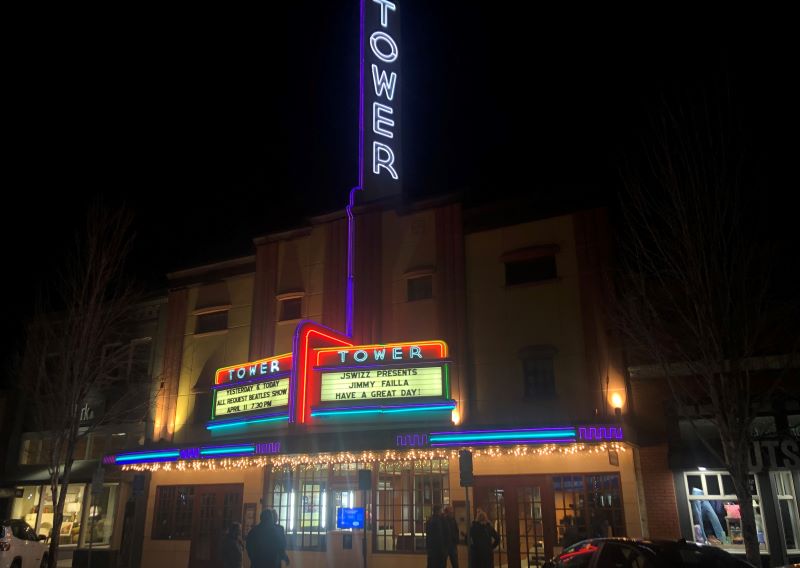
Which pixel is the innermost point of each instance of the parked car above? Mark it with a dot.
(20, 546)
(630, 553)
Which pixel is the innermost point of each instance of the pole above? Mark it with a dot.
(91, 531)
(469, 525)
(364, 538)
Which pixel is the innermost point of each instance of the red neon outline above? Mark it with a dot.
(258, 361)
(442, 347)
(303, 384)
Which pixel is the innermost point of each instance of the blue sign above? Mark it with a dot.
(350, 518)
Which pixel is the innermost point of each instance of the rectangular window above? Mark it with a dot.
(531, 270)
(301, 500)
(787, 503)
(419, 288)
(588, 506)
(406, 494)
(714, 510)
(291, 309)
(173, 512)
(539, 376)
(73, 514)
(210, 322)
(26, 506)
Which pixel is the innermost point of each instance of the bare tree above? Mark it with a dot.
(78, 348)
(694, 285)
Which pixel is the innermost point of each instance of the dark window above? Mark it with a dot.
(214, 321)
(420, 288)
(531, 270)
(588, 506)
(173, 513)
(539, 377)
(291, 309)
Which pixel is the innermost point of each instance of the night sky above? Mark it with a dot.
(215, 129)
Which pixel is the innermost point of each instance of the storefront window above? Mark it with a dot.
(73, 509)
(101, 516)
(301, 500)
(173, 512)
(714, 510)
(587, 506)
(787, 502)
(26, 507)
(407, 492)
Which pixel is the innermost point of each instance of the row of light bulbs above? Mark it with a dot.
(385, 457)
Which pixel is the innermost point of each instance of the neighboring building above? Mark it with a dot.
(688, 491)
(111, 515)
(478, 333)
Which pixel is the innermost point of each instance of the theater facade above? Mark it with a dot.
(469, 332)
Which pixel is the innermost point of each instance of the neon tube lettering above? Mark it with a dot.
(382, 84)
(385, 7)
(383, 157)
(378, 119)
(386, 39)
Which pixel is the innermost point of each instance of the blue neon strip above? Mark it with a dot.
(227, 450)
(244, 422)
(519, 435)
(499, 442)
(148, 456)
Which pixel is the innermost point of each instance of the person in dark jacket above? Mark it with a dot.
(436, 539)
(264, 544)
(451, 535)
(282, 539)
(231, 547)
(483, 540)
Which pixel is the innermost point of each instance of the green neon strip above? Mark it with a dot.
(148, 456)
(505, 436)
(447, 381)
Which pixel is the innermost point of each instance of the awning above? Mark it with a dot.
(82, 471)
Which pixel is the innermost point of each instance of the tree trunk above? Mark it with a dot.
(749, 531)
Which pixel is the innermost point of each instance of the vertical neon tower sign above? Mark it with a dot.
(379, 159)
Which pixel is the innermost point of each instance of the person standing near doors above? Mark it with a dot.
(483, 540)
(265, 547)
(436, 539)
(451, 536)
(231, 547)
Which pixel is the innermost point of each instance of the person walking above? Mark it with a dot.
(452, 536)
(231, 547)
(264, 546)
(436, 539)
(483, 540)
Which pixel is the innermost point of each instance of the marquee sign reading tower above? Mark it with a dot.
(380, 99)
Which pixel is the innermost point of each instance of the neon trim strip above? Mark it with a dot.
(226, 450)
(518, 436)
(218, 425)
(498, 442)
(148, 456)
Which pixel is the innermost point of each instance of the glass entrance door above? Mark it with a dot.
(523, 517)
(216, 507)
